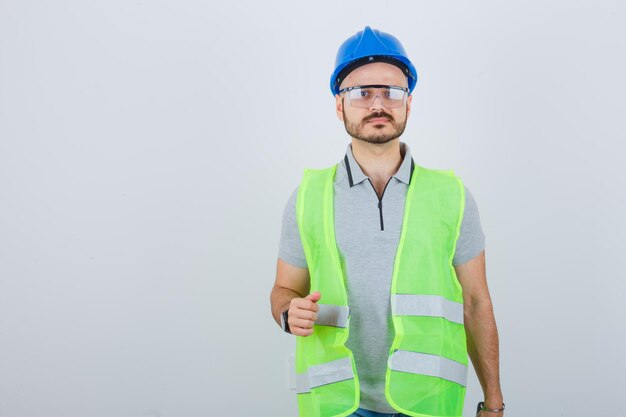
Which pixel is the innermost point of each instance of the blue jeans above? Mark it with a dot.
(365, 413)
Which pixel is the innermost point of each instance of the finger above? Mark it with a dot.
(302, 323)
(304, 304)
(314, 296)
(303, 314)
(298, 331)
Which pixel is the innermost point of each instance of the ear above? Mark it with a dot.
(339, 106)
(408, 105)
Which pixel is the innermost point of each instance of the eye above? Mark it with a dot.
(365, 93)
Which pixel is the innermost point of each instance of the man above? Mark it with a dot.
(381, 270)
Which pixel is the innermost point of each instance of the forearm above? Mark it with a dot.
(280, 299)
(483, 349)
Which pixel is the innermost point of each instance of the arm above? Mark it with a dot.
(481, 330)
(290, 292)
(291, 282)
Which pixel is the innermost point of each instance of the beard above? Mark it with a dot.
(356, 129)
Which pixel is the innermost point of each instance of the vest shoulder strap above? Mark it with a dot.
(312, 174)
(314, 207)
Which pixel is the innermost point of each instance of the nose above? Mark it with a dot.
(377, 103)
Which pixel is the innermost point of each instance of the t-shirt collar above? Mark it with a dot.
(356, 174)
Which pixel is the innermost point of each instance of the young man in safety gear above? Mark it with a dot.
(381, 269)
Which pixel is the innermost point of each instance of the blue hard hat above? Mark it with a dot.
(368, 46)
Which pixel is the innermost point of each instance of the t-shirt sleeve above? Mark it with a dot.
(290, 247)
(471, 239)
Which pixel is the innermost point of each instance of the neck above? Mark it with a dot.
(378, 161)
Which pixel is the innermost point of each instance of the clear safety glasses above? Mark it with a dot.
(363, 96)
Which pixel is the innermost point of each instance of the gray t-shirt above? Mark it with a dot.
(367, 230)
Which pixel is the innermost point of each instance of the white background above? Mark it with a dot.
(147, 149)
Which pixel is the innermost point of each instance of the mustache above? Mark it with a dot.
(378, 115)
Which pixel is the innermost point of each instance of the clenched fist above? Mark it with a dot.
(303, 313)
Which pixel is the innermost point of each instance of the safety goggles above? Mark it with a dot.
(363, 96)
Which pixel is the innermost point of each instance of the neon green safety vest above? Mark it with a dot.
(427, 365)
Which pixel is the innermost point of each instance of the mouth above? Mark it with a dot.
(378, 120)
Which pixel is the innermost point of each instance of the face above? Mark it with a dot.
(376, 124)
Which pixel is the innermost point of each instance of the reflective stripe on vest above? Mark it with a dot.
(431, 365)
(333, 315)
(324, 374)
(427, 305)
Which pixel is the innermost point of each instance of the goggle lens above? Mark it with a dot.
(363, 96)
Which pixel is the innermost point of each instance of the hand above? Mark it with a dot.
(303, 313)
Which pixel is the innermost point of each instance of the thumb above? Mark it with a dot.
(314, 296)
